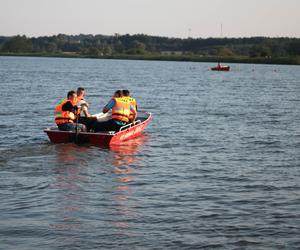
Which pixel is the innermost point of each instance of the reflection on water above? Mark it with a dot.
(125, 154)
(70, 182)
(124, 160)
(70, 154)
(72, 179)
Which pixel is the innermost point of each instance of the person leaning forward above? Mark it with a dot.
(66, 112)
(84, 115)
(121, 109)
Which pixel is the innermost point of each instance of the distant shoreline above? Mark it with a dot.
(186, 58)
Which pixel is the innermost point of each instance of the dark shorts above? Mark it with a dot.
(109, 125)
(88, 122)
(71, 127)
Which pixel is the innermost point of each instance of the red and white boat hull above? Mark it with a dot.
(102, 138)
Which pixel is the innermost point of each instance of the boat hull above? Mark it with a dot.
(222, 68)
(101, 138)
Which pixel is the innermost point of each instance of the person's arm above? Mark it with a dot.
(109, 106)
(134, 112)
(85, 111)
(105, 110)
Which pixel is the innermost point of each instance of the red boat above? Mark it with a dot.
(106, 138)
(220, 67)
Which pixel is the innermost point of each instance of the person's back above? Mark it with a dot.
(121, 109)
(126, 95)
(103, 117)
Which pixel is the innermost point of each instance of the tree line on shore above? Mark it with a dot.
(145, 45)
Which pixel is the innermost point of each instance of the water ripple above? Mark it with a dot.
(218, 167)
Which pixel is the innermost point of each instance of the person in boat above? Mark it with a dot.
(126, 95)
(101, 117)
(81, 102)
(84, 116)
(121, 109)
(118, 93)
(66, 112)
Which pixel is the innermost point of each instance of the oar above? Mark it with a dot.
(76, 126)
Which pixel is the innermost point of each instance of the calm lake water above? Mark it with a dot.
(217, 168)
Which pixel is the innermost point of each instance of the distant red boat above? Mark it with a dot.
(220, 67)
(106, 138)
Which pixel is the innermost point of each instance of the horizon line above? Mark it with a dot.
(162, 36)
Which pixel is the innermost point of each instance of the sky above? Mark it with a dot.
(171, 18)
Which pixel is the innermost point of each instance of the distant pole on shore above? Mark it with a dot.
(221, 30)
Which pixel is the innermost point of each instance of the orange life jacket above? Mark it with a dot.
(121, 110)
(63, 116)
(133, 103)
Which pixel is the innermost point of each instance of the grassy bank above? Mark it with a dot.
(190, 58)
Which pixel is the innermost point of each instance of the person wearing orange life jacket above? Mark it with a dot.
(66, 112)
(121, 109)
(126, 94)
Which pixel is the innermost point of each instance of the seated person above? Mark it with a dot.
(81, 102)
(84, 115)
(126, 95)
(121, 109)
(66, 113)
(102, 117)
(118, 93)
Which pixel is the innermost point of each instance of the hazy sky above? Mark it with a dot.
(173, 18)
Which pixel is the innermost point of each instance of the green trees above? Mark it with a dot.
(136, 48)
(294, 47)
(94, 52)
(143, 45)
(119, 47)
(260, 51)
(17, 44)
(225, 52)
